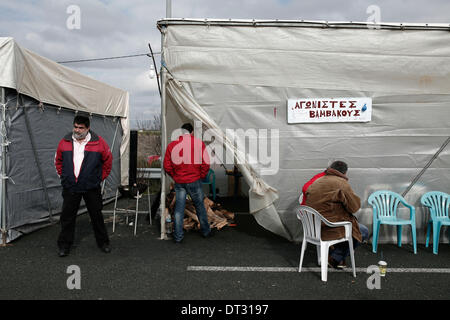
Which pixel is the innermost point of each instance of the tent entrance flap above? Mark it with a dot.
(261, 195)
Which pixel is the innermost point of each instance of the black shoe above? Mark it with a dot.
(63, 252)
(210, 234)
(333, 263)
(177, 241)
(105, 248)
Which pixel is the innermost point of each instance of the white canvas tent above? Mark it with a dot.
(234, 74)
(38, 101)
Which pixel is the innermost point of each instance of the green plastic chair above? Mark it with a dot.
(385, 204)
(211, 180)
(438, 203)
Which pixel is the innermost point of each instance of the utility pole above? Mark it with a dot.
(168, 8)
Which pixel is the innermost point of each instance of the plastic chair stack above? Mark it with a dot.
(385, 206)
(438, 203)
(312, 221)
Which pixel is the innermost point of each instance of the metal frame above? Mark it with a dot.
(302, 23)
(136, 211)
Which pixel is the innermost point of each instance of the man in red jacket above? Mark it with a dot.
(187, 162)
(83, 160)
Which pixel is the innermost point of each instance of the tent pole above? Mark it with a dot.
(163, 74)
(112, 150)
(446, 142)
(3, 203)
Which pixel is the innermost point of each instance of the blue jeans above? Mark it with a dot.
(195, 190)
(341, 250)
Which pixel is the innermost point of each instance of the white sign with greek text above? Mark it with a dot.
(329, 110)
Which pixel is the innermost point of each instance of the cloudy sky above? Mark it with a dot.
(109, 28)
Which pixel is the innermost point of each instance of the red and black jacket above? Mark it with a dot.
(95, 168)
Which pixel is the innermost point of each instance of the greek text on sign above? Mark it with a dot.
(329, 110)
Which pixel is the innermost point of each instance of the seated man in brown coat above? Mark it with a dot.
(332, 196)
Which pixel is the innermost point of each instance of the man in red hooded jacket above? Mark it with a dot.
(187, 161)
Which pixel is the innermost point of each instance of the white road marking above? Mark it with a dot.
(310, 269)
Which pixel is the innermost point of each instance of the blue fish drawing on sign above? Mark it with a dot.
(364, 108)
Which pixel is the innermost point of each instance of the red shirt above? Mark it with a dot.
(310, 182)
(186, 159)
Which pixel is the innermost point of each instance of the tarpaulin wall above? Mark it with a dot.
(33, 132)
(242, 74)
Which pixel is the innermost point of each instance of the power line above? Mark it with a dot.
(110, 58)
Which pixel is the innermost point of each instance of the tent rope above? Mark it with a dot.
(426, 167)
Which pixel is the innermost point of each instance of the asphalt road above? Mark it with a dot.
(143, 267)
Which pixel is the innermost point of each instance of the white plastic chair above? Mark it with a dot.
(300, 199)
(312, 221)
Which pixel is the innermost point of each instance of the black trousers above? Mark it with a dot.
(71, 204)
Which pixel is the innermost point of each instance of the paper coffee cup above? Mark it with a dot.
(382, 265)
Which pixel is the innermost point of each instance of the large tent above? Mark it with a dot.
(38, 101)
(250, 75)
